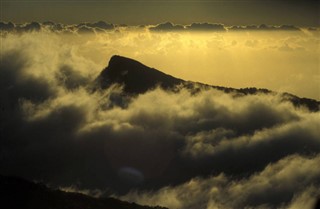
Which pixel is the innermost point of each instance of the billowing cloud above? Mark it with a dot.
(26, 27)
(264, 27)
(6, 26)
(313, 29)
(84, 29)
(29, 27)
(214, 149)
(288, 183)
(81, 28)
(101, 26)
(168, 26)
(53, 26)
(206, 27)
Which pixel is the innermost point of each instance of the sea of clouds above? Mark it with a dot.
(180, 150)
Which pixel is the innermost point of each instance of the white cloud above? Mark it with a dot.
(293, 178)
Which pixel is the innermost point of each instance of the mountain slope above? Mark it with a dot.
(138, 78)
(17, 193)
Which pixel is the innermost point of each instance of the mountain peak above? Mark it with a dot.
(135, 76)
(117, 61)
(138, 78)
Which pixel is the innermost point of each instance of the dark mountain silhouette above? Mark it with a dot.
(138, 78)
(17, 193)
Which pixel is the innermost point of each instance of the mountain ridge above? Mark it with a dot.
(138, 78)
(18, 193)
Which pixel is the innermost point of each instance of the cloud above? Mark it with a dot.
(264, 27)
(84, 29)
(6, 26)
(251, 43)
(313, 29)
(306, 199)
(168, 26)
(287, 183)
(70, 78)
(206, 27)
(289, 28)
(213, 148)
(33, 26)
(81, 28)
(15, 84)
(53, 26)
(101, 26)
(28, 27)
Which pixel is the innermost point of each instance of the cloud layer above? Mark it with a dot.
(208, 150)
(101, 26)
(288, 183)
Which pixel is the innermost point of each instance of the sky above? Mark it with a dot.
(135, 12)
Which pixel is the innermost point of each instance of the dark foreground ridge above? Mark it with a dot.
(17, 193)
(137, 78)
